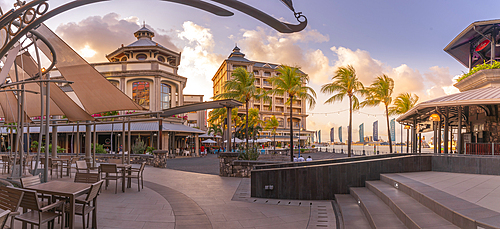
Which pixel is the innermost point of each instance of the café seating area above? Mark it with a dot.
(71, 193)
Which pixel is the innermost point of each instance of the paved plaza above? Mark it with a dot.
(180, 199)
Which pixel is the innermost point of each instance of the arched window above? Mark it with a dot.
(140, 93)
(124, 58)
(115, 83)
(141, 57)
(165, 96)
(161, 59)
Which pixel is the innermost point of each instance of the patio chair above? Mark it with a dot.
(5, 163)
(51, 165)
(108, 169)
(83, 206)
(137, 173)
(10, 201)
(39, 215)
(87, 178)
(81, 167)
(34, 180)
(3, 218)
(69, 164)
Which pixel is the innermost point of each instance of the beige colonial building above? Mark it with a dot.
(147, 72)
(262, 71)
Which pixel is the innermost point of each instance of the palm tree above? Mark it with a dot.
(215, 129)
(292, 82)
(242, 88)
(380, 92)
(272, 124)
(345, 83)
(402, 104)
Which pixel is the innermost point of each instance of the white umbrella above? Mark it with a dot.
(208, 141)
(263, 140)
(237, 140)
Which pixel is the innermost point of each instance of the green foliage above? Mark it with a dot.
(34, 146)
(278, 144)
(150, 149)
(252, 154)
(59, 149)
(139, 147)
(403, 103)
(480, 67)
(99, 149)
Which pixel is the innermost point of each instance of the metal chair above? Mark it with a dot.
(5, 163)
(39, 215)
(108, 169)
(69, 164)
(83, 206)
(138, 174)
(51, 165)
(10, 201)
(87, 178)
(3, 218)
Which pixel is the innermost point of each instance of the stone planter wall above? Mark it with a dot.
(160, 158)
(230, 166)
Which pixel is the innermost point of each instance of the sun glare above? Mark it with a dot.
(87, 52)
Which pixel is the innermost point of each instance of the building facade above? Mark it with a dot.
(147, 72)
(262, 72)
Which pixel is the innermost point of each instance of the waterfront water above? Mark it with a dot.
(369, 150)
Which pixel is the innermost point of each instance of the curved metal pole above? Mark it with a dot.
(242, 7)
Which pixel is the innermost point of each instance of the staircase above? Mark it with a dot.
(399, 202)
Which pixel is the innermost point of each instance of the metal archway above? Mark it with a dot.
(30, 15)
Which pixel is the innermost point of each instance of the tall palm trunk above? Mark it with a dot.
(349, 134)
(246, 121)
(291, 130)
(388, 128)
(274, 145)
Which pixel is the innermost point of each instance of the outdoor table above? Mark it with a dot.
(62, 161)
(124, 168)
(69, 190)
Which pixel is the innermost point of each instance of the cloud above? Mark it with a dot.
(289, 49)
(198, 61)
(104, 35)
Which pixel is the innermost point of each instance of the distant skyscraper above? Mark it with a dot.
(393, 130)
(361, 133)
(319, 136)
(332, 135)
(340, 133)
(375, 131)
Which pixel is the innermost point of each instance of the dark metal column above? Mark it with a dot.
(446, 129)
(439, 132)
(420, 143)
(494, 34)
(228, 147)
(459, 131)
(123, 141)
(129, 146)
(414, 136)
(88, 142)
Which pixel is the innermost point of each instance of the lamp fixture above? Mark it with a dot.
(434, 118)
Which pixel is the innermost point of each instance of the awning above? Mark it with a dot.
(480, 96)
(117, 127)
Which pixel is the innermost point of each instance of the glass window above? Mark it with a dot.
(140, 93)
(165, 96)
(141, 56)
(256, 73)
(161, 59)
(267, 74)
(115, 83)
(281, 122)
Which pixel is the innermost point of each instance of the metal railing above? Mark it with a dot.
(482, 148)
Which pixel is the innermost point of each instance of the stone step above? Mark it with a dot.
(351, 213)
(458, 211)
(378, 214)
(408, 210)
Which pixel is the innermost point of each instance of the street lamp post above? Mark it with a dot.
(300, 127)
(435, 120)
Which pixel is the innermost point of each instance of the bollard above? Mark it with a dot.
(378, 152)
(342, 151)
(364, 153)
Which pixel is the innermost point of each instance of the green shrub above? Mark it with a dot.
(252, 154)
(99, 148)
(139, 147)
(495, 65)
(150, 149)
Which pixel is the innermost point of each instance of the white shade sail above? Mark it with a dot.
(94, 91)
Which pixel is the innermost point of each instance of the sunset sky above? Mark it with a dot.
(403, 39)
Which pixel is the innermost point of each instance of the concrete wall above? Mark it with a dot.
(486, 165)
(322, 182)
